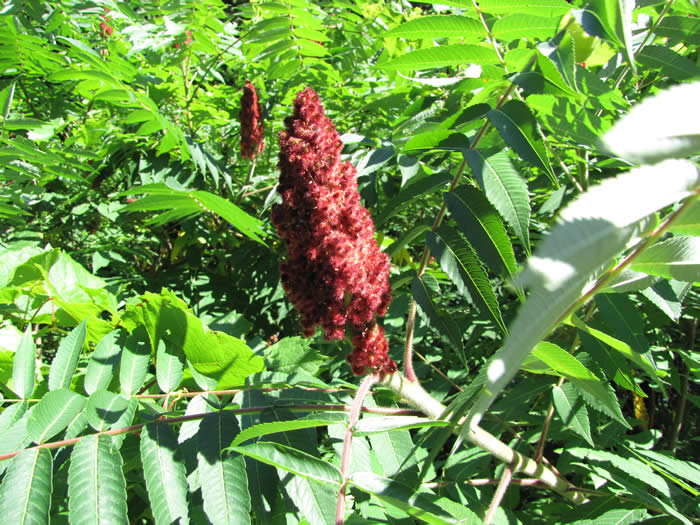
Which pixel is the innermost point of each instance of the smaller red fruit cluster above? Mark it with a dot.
(334, 274)
(252, 141)
(105, 28)
(186, 42)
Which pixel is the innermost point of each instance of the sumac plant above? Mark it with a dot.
(349, 262)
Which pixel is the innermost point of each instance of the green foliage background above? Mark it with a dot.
(151, 369)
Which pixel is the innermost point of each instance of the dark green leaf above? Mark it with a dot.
(165, 475)
(444, 325)
(572, 410)
(519, 129)
(223, 475)
(675, 66)
(292, 460)
(25, 492)
(53, 413)
(505, 189)
(419, 505)
(481, 225)
(459, 261)
(96, 484)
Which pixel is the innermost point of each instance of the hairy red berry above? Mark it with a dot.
(250, 116)
(334, 273)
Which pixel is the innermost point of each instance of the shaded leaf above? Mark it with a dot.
(169, 367)
(419, 505)
(136, 357)
(458, 260)
(572, 411)
(164, 471)
(519, 130)
(222, 475)
(671, 64)
(25, 492)
(505, 189)
(96, 484)
(104, 409)
(292, 460)
(481, 225)
(445, 326)
(595, 391)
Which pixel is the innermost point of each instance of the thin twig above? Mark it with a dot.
(366, 385)
(683, 389)
(499, 494)
(439, 372)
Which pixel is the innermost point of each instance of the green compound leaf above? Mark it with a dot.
(660, 127)
(215, 354)
(96, 484)
(56, 410)
(546, 8)
(671, 64)
(164, 470)
(459, 261)
(505, 188)
(67, 355)
(183, 204)
(264, 429)
(688, 222)
(519, 129)
(518, 26)
(222, 475)
(25, 492)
